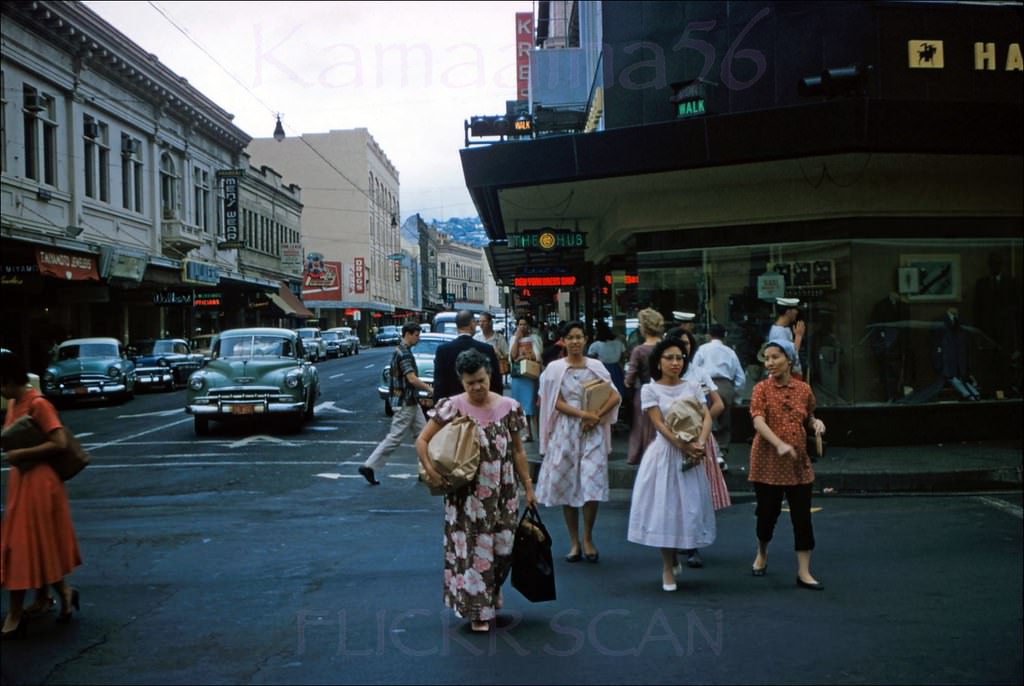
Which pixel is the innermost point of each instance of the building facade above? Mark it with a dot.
(350, 224)
(460, 273)
(112, 210)
(720, 160)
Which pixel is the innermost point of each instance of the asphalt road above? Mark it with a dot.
(257, 556)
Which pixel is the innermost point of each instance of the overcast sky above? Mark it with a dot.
(410, 72)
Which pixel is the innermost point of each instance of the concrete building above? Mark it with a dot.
(708, 157)
(460, 271)
(112, 206)
(350, 223)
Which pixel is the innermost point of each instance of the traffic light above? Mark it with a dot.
(850, 80)
(497, 125)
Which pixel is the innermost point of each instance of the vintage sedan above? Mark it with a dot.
(89, 368)
(348, 342)
(164, 362)
(388, 335)
(254, 373)
(423, 351)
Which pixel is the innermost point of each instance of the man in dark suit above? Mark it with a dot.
(446, 380)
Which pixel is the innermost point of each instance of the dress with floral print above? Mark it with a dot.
(480, 519)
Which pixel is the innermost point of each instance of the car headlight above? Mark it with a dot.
(49, 378)
(162, 363)
(114, 371)
(293, 380)
(196, 382)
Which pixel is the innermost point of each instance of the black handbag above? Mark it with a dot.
(815, 446)
(533, 569)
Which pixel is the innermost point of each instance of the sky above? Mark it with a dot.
(410, 72)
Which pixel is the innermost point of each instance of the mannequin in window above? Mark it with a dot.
(888, 342)
(950, 342)
(997, 314)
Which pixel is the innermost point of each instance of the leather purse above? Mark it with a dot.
(25, 433)
(455, 453)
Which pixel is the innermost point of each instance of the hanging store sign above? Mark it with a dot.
(359, 275)
(771, 285)
(229, 186)
(199, 272)
(66, 266)
(524, 42)
(291, 256)
(547, 239)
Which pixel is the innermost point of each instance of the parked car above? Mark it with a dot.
(423, 351)
(254, 372)
(388, 335)
(203, 344)
(165, 362)
(348, 340)
(313, 342)
(33, 381)
(444, 322)
(89, 368)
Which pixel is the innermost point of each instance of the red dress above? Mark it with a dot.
(37, 538)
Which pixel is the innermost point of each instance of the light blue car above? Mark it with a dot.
(89, 368)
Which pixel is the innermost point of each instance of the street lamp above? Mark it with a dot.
(278, 130)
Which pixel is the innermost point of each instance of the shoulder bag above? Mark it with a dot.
(25, 433)
(455, 454)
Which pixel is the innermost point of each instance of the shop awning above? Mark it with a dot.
(289, 304)
(68, 266)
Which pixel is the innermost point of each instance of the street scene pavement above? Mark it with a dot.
(258, 556)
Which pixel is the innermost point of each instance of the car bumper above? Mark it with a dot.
(89, 391)
(241, 408)
(148, 377)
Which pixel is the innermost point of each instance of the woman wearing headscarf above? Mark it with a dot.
(782, 408)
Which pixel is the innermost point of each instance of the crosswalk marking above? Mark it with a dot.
(1009, 508)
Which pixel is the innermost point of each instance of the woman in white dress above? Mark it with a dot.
(575, 443)
(671, 509)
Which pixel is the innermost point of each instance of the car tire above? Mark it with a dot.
(202, 425)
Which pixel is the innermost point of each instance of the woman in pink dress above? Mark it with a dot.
(480, 519)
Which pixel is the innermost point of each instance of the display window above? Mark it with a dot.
(879, 321)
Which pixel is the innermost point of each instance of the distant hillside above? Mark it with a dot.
(467, 230)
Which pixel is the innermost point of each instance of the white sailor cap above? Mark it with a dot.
(788, 303)
(683, 316)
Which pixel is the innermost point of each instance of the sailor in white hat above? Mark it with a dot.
(687, 320)
(789, 327)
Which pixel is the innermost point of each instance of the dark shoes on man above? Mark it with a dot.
(367, 473)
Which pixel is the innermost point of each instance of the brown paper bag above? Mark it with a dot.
(529, 369)
(455, 453)
(595, 394)
(685, 417)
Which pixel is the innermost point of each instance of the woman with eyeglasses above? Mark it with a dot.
(782, 408)
(671, 508)
(575, 442)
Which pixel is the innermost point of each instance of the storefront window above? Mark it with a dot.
(905, 321)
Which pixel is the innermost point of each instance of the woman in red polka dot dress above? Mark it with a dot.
(782, 408)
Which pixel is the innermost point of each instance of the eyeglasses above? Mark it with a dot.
(670, 358)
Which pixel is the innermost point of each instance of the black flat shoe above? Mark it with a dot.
(367, 473)
(33, 611)
(65, 617)
(810, 587)
(573, 557)
(592, 558)
(693, 560)
(759, 572)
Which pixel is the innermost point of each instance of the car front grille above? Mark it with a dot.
(85, 379)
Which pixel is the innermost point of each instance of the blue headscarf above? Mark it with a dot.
(785, 346)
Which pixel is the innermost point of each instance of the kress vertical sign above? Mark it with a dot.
(229, 186)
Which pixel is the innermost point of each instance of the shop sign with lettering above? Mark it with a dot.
(543, 281)
(548, 239)
(199, 272)
(229, 185)
(172, 298)
(206, 300)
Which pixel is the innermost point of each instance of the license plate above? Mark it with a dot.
(81, 390)
(243, 409)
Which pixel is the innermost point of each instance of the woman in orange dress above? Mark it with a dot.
(38, 541)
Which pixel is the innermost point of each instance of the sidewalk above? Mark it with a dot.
(935, 468)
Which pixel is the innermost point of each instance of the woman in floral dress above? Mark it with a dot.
(480, 519)
(575, 443)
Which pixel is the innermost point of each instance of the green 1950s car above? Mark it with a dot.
(89, 368)
(254, 372)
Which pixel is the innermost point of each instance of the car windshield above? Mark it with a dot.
(159, 347)
(427, 346)
(389, 331)
(329, 336)
(74, 352)
(254, 346)
(306, 334)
